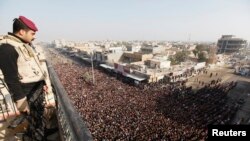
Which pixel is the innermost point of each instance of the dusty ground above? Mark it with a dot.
(241, 93)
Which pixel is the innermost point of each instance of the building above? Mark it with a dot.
(116, 49)
(158, 62)
(59, 43)
(129, 57)
(152, 49)
(230, 44)
(133, 48)
(107, 57)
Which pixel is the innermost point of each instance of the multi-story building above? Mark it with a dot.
(152, 49)
(230, 44)
(129, 57)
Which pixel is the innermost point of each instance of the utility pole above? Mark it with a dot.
(189, 38)
(93, 74)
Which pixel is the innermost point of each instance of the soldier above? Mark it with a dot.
(24, 70)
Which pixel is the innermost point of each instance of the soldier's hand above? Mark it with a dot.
(22, 105)
(45, 88)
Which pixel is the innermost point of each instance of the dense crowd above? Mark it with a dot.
(114, 110)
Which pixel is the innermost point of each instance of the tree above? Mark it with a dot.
(202, 47)
(212, 55)
(195, 52)
(173, 61)
(202, 57)
(179, 57)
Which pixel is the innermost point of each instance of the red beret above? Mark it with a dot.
(28, 23)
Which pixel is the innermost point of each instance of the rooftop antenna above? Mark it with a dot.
(189, 37)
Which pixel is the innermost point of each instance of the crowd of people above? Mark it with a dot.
(208, 105)
(114, 110)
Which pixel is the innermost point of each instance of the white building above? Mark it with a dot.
(116, 49)
(156, 63)
(59, 43)
(134, 48)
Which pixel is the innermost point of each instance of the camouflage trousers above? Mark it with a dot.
(36, 119)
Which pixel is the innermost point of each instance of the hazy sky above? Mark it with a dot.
(201, 20)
